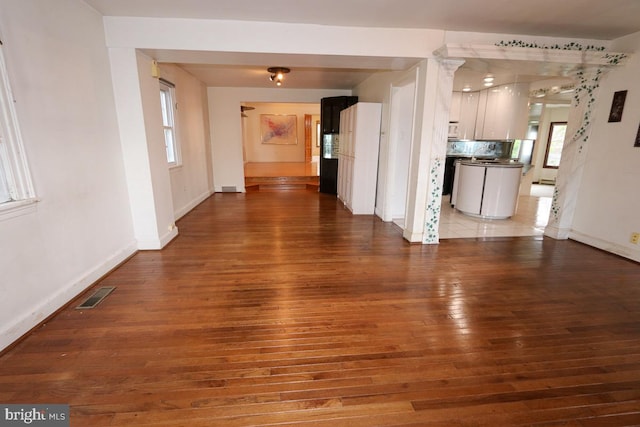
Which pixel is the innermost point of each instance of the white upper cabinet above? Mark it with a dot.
(503, 112)
(497, 113)
(463, 112)
(454, 111)
(468, 113)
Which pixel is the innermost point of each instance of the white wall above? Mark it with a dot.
(59, 70)
(226, 126)
(144, 153)
(256, 151)
(191, 182)
(608, 203)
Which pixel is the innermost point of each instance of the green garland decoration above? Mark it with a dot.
(585, 90)
(567, 46)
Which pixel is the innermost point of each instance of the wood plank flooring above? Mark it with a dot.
(278, 169)
(281, 308)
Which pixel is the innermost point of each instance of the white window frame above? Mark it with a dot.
(16, 176)
(169, 107)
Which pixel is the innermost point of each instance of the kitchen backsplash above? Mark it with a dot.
(483, 149)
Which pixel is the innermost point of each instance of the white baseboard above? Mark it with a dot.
(614, 248)
(168, 236)
(412, 237)
(157, 243)
(195, 202)
(556, 232)
(35, 315)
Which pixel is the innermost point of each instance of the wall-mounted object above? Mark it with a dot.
(155, 69)
(637, 143)
(278, 129)
(617, 106)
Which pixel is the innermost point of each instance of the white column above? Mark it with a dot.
(436, 135)
(569, 178)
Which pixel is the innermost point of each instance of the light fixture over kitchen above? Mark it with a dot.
(488, 80)
(277, 74)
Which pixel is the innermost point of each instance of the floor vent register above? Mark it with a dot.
(96, 298)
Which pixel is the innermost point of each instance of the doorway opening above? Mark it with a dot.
(280, 145)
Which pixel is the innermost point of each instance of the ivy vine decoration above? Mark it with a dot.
(587, 84)
(434, 204)
(586, 89)
(566, 46)
(555, 208)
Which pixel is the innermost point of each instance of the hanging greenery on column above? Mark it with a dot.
(585, 90)
(433, 207)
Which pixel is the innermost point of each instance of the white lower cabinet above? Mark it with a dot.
(358, 158)
(488, 191)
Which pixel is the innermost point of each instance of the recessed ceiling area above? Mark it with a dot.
(579, 19)
(235, 69)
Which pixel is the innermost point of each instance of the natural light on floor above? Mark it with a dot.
(530, 219)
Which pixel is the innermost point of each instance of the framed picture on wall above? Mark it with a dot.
(278, 129)
(637, 143)
(617, 106)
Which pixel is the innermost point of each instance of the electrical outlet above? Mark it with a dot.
(635, 238)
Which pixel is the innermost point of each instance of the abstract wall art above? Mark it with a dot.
(278, 129)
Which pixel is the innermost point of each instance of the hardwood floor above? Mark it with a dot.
(280, 176)
(281, 308)
(278, 169)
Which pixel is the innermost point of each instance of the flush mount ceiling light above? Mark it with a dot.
(466, 89)
(277, 74)
(488, 78)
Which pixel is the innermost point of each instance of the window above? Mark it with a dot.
(167, 103)
(555, 142)
(16, 189)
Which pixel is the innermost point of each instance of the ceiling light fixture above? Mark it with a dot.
(487, 84)
(466, 89)
(277, 74)
(488, 78)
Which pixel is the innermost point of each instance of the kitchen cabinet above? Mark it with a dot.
(487, 189)
(463, 112)
(454, 110)
(330, 125)
(330, 109)
(503, 112)
(358, 158)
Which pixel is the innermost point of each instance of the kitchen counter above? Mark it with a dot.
(499, 163)
(487, 188)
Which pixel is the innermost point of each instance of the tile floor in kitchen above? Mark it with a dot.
(530, 219)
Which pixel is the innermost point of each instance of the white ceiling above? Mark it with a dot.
(592, 19)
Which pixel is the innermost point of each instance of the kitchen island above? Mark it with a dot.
(487, 188)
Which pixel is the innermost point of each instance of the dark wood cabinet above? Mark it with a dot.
(330, 109)
(330, 112)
